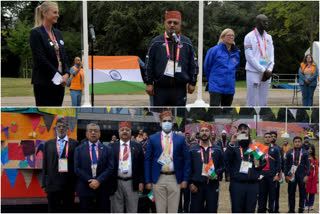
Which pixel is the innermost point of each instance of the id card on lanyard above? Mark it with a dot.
(164, 158)
(94, 165)
(265, 56)
(294, 167)
(245, 165)
(124, 165)
(204, 165)
(63, 162)
(171, 68)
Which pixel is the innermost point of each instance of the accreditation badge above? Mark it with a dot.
(178, 70)
(204, 173)
(162, 159)
(63, 165)
(94, 170)
(169, 69)
(124, 167)
(245, 166)
(293, 168)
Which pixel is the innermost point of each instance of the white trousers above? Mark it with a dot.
(257, 91)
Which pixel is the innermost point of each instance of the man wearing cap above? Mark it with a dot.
(167, 165)
(306, 143)
(245, 172)
(171, 65)
(271, 173)
(274, 137)
(128, 174)
(204, 183)
(58, 181)
(296, 171)
(223, 143)
(93, 163)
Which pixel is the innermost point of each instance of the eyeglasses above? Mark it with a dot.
(230, 36)
(93, 130)
(166, 121)
(174, 22)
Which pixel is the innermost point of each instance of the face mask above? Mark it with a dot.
(166, 126)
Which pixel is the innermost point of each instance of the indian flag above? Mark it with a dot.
(257, 150)
(150, 196)
(292, 176)
(116, 74)
(281, 178)
(210, 169)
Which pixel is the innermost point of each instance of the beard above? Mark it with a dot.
(204, 138)
(244, 143)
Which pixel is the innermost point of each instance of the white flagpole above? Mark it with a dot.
(85, 54)
(285, 134)
(199, 102)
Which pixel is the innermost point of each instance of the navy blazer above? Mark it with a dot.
(137, 161)
(45, 63)
(304, 167)
(181, 159)
(82, 167)
(196, 162)
(274, 160)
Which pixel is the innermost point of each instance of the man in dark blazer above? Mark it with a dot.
(93, 163)
(58, 178)
(296, 172)
(46, 65)
(129, 172)
(167, 165)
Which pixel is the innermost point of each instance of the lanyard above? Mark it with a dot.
(120, 156)
(167, 48)
(265, 42)
(241, 152)
(58, 149)
(299, 157)
(53, 36)
(210, 152)
(97, 153)
(162, 143)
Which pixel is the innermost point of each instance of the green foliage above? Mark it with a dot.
(18, 43)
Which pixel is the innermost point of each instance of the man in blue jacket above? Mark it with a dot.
(271, 173)
(296, 171)
(204, 186)
(245, 172)
(93, 164)
(167, 165)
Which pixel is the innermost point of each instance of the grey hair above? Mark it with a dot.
(62, 120)
(93, 124)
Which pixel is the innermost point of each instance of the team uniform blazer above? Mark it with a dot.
(82, 165)
(45, 63)
(181, 159)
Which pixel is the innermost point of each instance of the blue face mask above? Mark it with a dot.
(166, 126)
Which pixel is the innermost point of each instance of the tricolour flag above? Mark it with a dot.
(210, 169)
(292, 176)
(281, 178)
(257, 149)
(150, 196)
(112, 74)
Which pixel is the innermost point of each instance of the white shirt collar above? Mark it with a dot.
(66, 138)
(165, 134)
(122, 142)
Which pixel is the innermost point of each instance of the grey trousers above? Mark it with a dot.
(125, 195)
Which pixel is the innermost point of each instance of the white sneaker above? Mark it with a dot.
(306, 208)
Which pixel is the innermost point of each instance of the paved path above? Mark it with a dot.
(277, 97)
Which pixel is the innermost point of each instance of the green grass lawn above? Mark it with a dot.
(12, 87)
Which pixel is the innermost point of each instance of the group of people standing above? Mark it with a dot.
(112, 178)
(171, 67)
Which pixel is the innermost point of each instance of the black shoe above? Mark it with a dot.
(291, 211)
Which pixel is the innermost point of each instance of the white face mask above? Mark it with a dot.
(166, 126)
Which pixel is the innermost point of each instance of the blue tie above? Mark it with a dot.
(94, 156)
(61, 145)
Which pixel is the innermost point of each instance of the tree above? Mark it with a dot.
(18, 43)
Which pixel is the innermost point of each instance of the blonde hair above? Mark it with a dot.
(223, 33)
(45, 6)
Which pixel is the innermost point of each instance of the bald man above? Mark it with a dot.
(259, 52)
